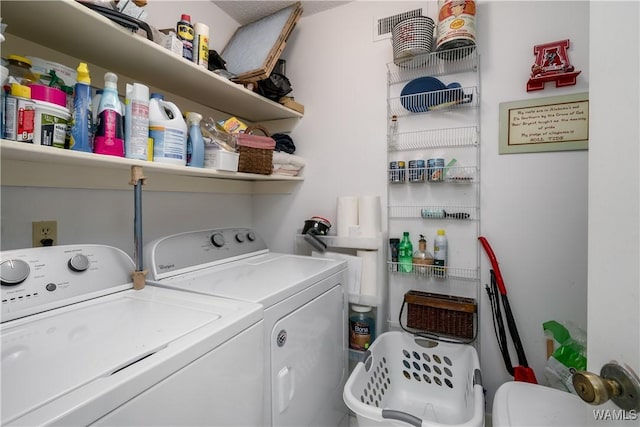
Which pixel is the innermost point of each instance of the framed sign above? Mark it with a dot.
(557, 123)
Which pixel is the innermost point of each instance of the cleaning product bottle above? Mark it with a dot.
(136, 129)
(82, 119)
(393, 132)
(361, 327)
(195, 143)
(422, 258)
(405, 254)
(440, 247)
(201, 45)
(185, 34)
(109, 138)
(168, 130)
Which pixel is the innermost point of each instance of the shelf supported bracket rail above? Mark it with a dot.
(137, 180)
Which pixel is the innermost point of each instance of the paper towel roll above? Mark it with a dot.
(347, 215)
(369, 277)
(369, 215)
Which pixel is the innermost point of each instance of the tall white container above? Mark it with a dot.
(168, 130)
(440, 248)
(201, 45)
(136, 121)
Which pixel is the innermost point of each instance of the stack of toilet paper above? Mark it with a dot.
(358, 216)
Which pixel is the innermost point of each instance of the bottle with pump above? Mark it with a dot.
(184, 28)
(405, 254)
(422, 257)
(109, 138)
(195, 143)
(440, 247)
(82, 119)
(136, 123)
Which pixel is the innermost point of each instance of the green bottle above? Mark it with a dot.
(405, 254)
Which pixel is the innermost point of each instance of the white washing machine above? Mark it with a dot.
(80, 346)
(305, 314)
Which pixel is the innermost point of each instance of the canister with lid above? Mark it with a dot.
(361, 327)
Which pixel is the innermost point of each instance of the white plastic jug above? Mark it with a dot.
(168, 130)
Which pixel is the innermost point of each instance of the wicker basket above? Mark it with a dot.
(441, 314)
(256, 152)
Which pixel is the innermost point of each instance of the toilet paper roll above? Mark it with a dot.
(369, 215)
(369, 277)
(347, 215)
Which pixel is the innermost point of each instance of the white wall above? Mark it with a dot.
(534, 206)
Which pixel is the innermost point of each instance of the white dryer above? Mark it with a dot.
(305, 314)
(80, 346)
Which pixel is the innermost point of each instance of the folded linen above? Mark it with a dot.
(282, 158)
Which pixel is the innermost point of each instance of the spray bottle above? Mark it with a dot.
(184, 28)
(136, 129)
(82, 121)
(109, 137)
(195, 143)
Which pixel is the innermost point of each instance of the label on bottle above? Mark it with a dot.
(168, 143)
(186, 36)
(109, 137)
(360, 335)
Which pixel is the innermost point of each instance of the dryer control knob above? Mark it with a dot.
(78, 262)
(13, 272)
(239, 237)
(217, 240)
(251, 236)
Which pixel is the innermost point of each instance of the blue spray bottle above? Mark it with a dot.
(195, 143)
(82, 124)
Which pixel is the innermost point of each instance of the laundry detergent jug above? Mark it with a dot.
(168, 130)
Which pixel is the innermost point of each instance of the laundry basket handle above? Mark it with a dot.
(401, 416)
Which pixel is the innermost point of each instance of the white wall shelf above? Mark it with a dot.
(41, 166)
(71, 28)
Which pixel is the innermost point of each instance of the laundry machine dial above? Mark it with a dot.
(13, 272)
(78, 262)
(251, 236)
(217, 240)
(239, 237)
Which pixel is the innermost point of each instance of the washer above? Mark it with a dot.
(305, 314)
(80, 346)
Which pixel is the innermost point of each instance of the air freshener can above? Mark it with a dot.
(397, 172)
(435, 169)
(416, 170)
(456, 24)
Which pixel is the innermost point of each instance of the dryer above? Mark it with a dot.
(80, 346)
(305, 314)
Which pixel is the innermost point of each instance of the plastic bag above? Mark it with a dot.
(568, 357)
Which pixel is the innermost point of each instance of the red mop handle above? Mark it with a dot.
(494, 264)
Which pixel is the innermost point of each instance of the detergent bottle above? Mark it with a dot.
(195, 143)
(168, 130)
(109, 138)
(82, 119)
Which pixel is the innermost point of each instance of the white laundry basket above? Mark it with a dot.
(403, 380)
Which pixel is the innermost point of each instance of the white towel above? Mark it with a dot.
(282, 158)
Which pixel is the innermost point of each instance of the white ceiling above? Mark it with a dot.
(249, 11)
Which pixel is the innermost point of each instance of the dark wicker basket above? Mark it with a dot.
(255, 160)
(441, 314)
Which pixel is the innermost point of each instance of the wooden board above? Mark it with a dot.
(255, 48)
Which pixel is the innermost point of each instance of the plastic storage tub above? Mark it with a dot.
(404, 380)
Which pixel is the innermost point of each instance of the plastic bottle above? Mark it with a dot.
(361, 327)
(185, 34)
(201, 45)
(422, 257)
(168, 130)
(195, 143)
(136, 129)
(82, 118)
(440, 247)
(394, 246)
(393, 132)
(405, 254)
(109, 137)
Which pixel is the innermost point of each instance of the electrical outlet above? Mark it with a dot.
(44, 233)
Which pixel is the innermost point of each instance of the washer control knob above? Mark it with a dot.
(217, 240)
(78, 262)
(239, 237)
(13, 272)
(251, 236)
(51, 287)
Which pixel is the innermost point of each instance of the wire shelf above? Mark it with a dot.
(435, 138)
(431, 101)
(452, 61)
(428, 271)
(421, 175)
(453, 213)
